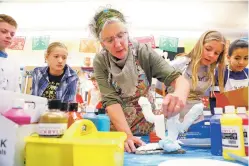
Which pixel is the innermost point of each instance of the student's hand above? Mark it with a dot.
(131, 142)
(173, 104)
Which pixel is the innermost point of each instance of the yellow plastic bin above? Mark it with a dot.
(81, 145)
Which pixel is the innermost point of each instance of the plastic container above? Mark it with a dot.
(241, 111)
(72, 114)
(77, 147)
(103, 120)
(199, 132)
(17, 114)
(90, 114)
(53, 122)
(215, 132)
(153, 137)
(232, 133)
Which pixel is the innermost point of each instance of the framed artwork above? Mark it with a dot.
(147, 40)
(89, 46)
(18, 43)
(40, 42)
(168, 43)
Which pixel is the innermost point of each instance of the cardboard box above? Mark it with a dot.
(238, 98)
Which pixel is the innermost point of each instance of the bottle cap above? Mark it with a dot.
(229, 109)
(241, 110)
(73, 107)
(54, 104)
(218, 111)
(101, 111)
(64, 107)
(90, 109)
(18, 103)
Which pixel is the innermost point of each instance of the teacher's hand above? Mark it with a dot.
(131, 143)
(173, 104)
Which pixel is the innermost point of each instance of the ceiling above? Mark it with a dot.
(141, 14)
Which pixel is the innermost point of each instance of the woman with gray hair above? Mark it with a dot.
(124, 70)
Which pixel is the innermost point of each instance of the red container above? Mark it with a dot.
(153, 138)
(241, 111)
(72, 113)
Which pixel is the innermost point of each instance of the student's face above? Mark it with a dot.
(57, 59)
(7, 32)
(211, 51)
(239, 59)
(114, 38)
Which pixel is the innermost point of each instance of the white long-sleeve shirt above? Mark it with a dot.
(9, 74)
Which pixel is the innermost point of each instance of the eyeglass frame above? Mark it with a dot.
(114, 37)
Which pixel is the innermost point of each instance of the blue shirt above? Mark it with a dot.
(66, 91)
(3, 54)
(238, 75)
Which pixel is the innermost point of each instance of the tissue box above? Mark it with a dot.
(12, 135)
(12, 141)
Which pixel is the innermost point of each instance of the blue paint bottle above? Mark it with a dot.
(103, 120)
(215, 132)
(90, 115)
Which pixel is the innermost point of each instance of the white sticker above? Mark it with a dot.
(52, 129)
(245, 131)
(207, 123)
(230, 137)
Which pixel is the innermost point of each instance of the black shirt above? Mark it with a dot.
(54, 83)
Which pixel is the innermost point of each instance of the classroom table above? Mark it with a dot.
(154, 160)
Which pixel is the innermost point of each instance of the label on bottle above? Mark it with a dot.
(230, 137)
(52, 129)
(245, 131)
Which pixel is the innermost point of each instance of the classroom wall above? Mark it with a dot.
(68, 22)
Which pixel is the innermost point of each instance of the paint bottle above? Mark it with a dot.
(90, 115)
(103, 120)
(232, 134)
(73, 114)
(215, 132)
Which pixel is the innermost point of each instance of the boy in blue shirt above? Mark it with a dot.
(9, 71)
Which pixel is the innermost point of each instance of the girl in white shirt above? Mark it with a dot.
(198, 66)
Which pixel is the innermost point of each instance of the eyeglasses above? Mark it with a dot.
(120, 37)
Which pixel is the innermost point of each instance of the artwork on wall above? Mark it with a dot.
(147, 40)
(18, 43)
(89, 46)
(168, 43)
(71, 44)
(40, 42)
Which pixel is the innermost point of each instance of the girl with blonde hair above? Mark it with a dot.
(198, 66)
